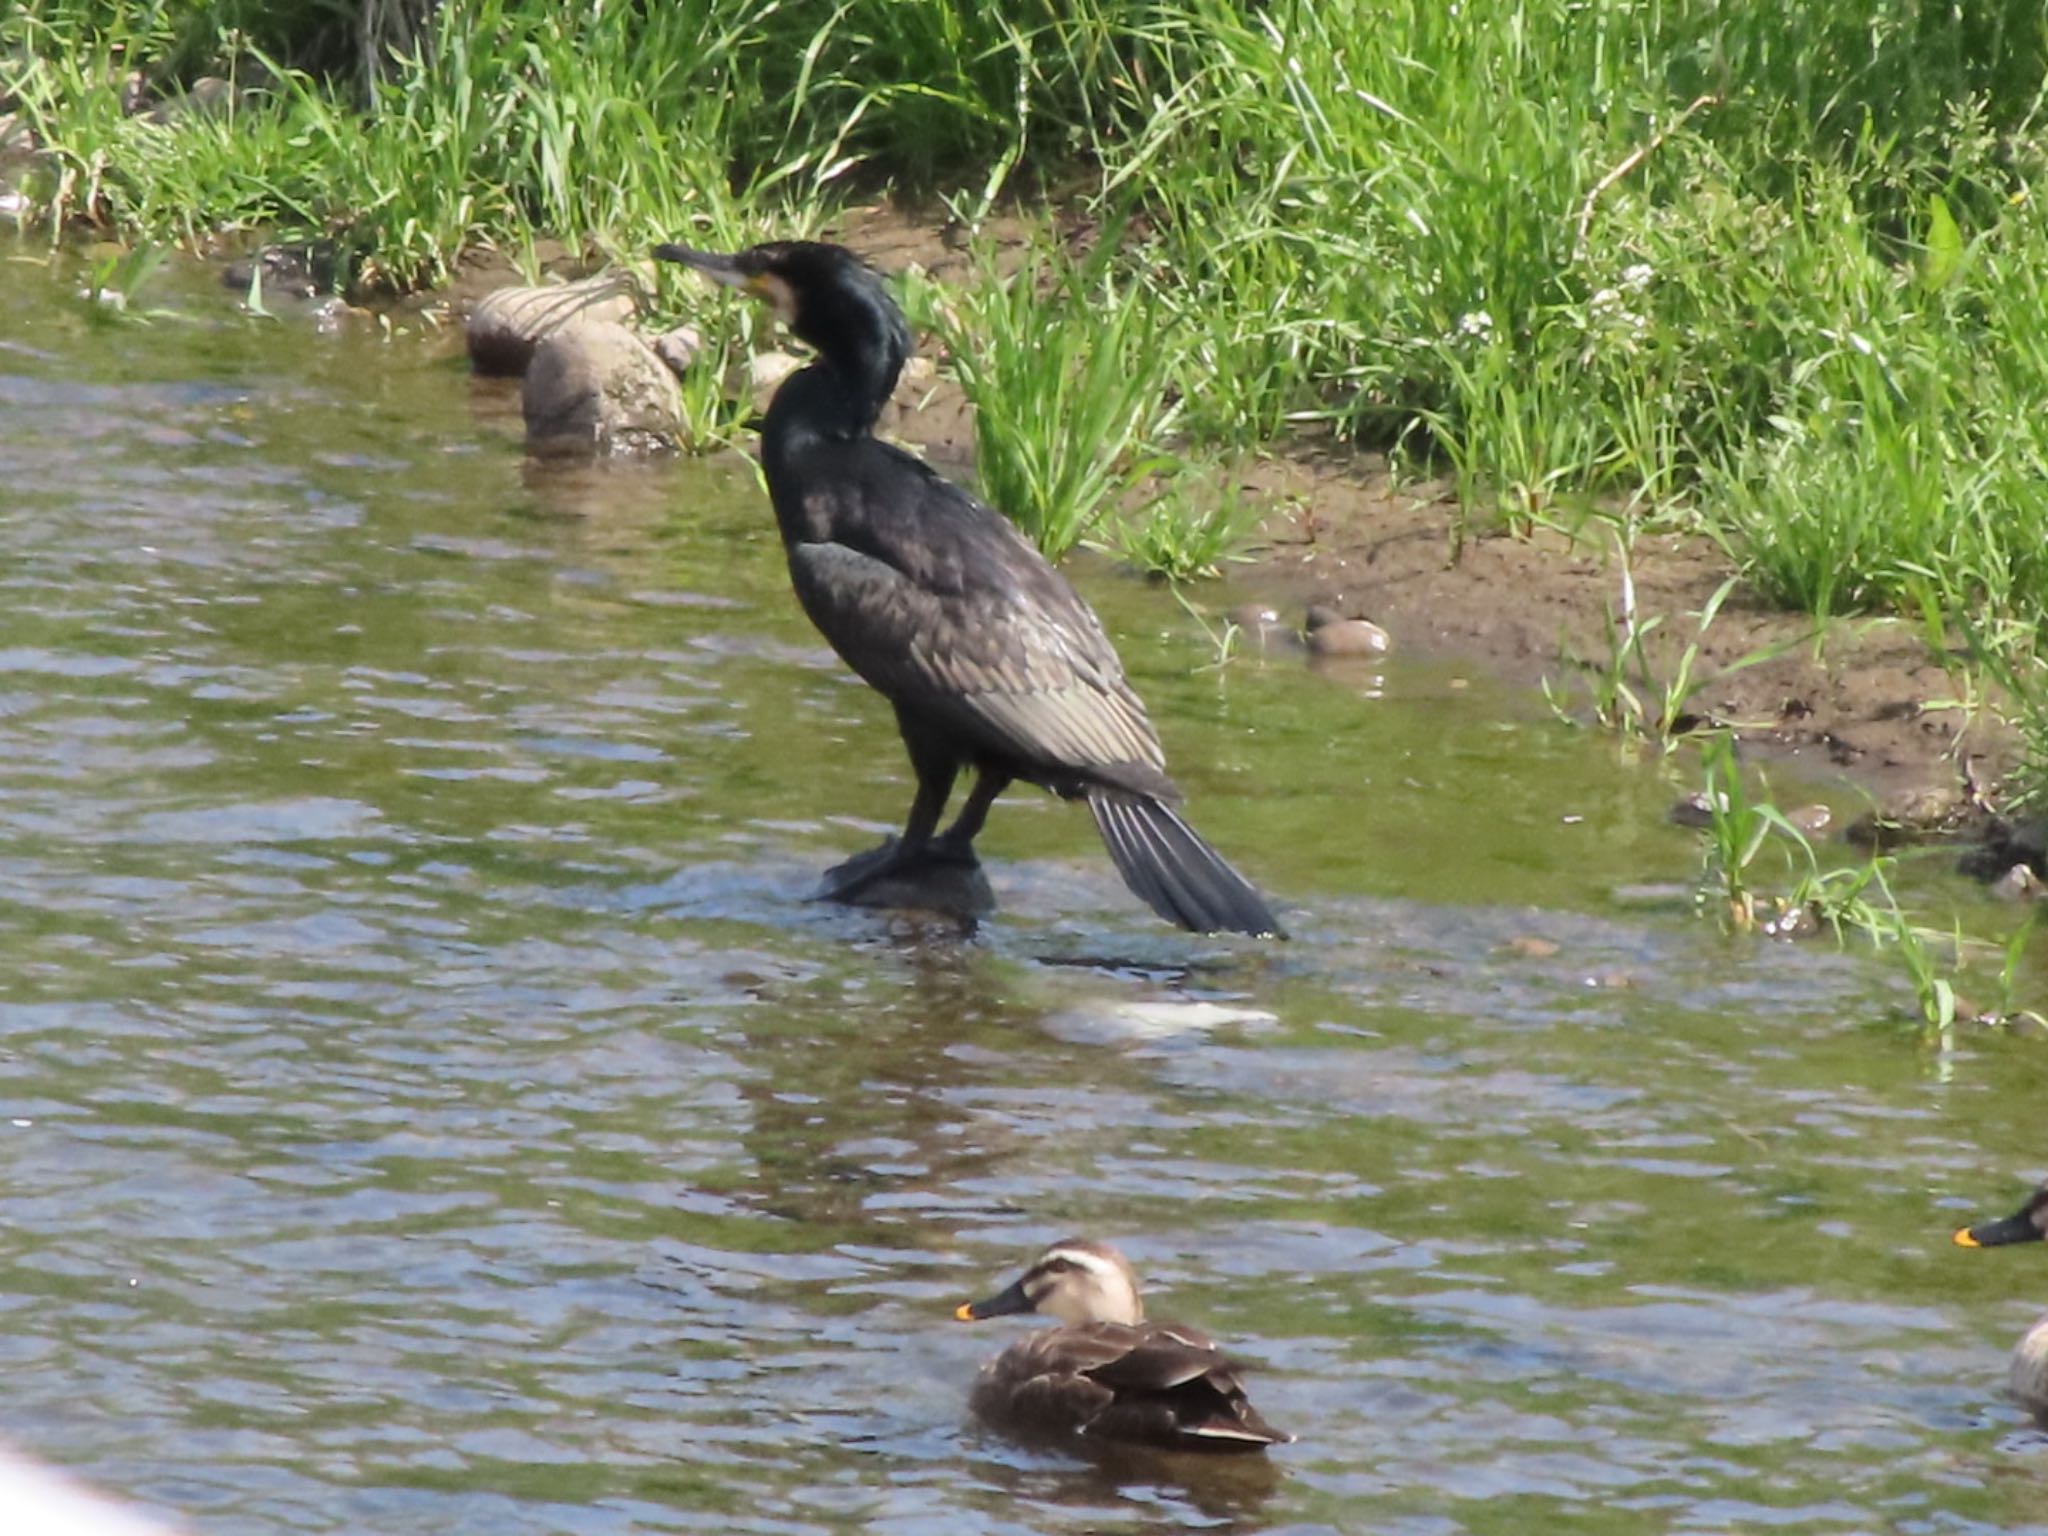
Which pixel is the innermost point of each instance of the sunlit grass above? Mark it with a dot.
(1068, 387)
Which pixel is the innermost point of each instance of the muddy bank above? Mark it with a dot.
(1862, 698)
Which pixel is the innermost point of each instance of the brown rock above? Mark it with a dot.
(507, 326)
(1811, 819)
(1348, 637)
(598, 388)
(1922, 815)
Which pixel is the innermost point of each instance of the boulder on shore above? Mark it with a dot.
(507, 326)
(596, 387)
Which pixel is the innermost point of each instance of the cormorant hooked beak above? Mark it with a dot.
(1002, 1304)
(720, 269)
(728, 272)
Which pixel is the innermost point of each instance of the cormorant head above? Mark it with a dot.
(824, 293)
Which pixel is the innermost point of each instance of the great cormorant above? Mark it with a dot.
(990, 658)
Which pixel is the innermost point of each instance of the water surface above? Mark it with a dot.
(427, 1105)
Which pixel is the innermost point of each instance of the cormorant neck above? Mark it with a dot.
(862, 343)
(867, 376)
(819, 401)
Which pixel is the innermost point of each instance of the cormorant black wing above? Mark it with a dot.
(943, 606)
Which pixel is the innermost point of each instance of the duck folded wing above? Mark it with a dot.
(1158, 1360)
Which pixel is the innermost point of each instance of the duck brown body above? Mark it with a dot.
(1159, 1384)
(1106, 1374)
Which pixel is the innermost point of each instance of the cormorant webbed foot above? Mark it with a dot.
(939, 877)
(845, 880)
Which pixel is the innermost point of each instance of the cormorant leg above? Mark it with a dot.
(935, 768)
(956, 843)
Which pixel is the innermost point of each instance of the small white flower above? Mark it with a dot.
(1638, 276)
(1476, 323)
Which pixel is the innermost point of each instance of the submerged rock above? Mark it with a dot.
(287, 271)
(2006, 843)
(507, 326)
(1104, 1021)
(598, 388)
(1348, 637)
(1696, 809)
(1811, 819)
(942, 886)
(1928, 814)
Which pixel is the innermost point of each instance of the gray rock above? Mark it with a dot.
(1348, 637)
(507, 325)
(1696, 809)
(952, 890)
(598, 388)
(210, 96)
(759, 376)
(2019, 883)
(679, 348)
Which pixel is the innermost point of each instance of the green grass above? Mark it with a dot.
(1065, 370)
(1774, 273)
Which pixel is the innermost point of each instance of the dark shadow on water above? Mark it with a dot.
(1227, 1493)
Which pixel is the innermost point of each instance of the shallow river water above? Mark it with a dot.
(427, 1105)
